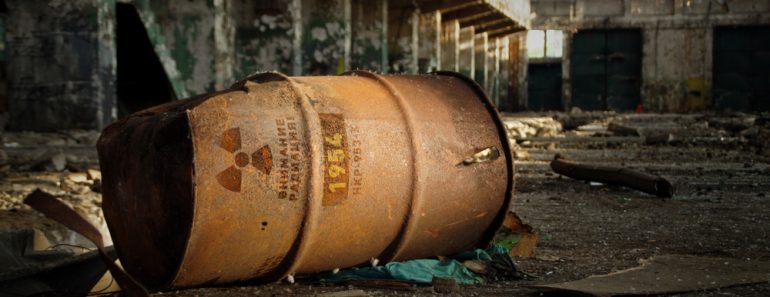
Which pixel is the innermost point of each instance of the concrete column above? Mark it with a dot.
(466, 52)
(450, 45)
(438, 40)
(480, 53)
(224, 44)
(107, 111)
(429, 41)
(456, 41)
(384, 37)
(414, 63)
(494, 86)
(296, 16)
(347, 19)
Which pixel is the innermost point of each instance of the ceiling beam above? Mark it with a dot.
(445, 6)
(493, 17)
(472, 12)
(505, 31)
(502, 24)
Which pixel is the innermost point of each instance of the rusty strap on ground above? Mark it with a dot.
(58, 211)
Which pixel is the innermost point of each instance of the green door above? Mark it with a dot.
(742, 68)
(606, 69)
(544, 87)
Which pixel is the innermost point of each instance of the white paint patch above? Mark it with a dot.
(269, 20)
(319, 56)
(334, 28)
(318, 34)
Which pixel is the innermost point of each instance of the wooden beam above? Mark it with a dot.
(493, 16)
(476, 11)
(505, 31)
(492, 26)
(445, 6)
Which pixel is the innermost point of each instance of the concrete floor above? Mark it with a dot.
(720, 208)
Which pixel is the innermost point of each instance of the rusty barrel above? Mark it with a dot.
(280, 175)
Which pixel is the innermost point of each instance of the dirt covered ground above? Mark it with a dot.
(719, 164)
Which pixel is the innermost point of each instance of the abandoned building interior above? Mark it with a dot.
(595, 147)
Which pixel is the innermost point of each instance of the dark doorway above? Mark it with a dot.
(544, 87)
(742, 68)
(142, 82)
(606, 69)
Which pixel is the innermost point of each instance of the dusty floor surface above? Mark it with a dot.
(721, 207)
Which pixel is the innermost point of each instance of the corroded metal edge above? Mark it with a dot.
(501, 131)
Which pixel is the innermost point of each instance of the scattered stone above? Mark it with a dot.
(58, 162)
(347, 293)
(658, 137)
(78, 177)
(527, 127)
(622, 130)
(521, 155)
(93, 174)
(444, 285)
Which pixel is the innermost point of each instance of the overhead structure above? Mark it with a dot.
(495, 17)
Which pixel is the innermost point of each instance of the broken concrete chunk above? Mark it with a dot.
(444, 285)
(347, 293)
(93, 174)
(527, 127)
(58, 162)
(658, 137)
(78, 177)
(622, 129)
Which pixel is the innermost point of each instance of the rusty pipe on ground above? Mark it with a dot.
(648, 183)
(281, 175)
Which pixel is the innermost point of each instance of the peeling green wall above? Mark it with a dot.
(367, 34)
(263, 41)
(323, 37)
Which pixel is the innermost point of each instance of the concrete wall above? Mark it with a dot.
(677, 39)
(48, 84)
(62, 64)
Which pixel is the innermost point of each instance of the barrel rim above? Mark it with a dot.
(489, 234)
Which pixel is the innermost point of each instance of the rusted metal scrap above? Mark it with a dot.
(651, 184)
(281, 175)
(60, 212)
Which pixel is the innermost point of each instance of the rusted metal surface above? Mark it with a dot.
(648, 183)
(283, 175)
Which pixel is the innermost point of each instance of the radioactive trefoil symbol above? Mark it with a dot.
(232, 177)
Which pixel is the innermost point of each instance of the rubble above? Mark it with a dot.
(718, 164)
(528, 127)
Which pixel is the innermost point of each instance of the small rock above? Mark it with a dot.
(521, 155)
(444, 285)
(347, 293)
(93, 174)
(78, 177)
(58, 161)
(3, 157)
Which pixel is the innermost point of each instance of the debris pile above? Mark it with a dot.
(31, 151)
(528, 127)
